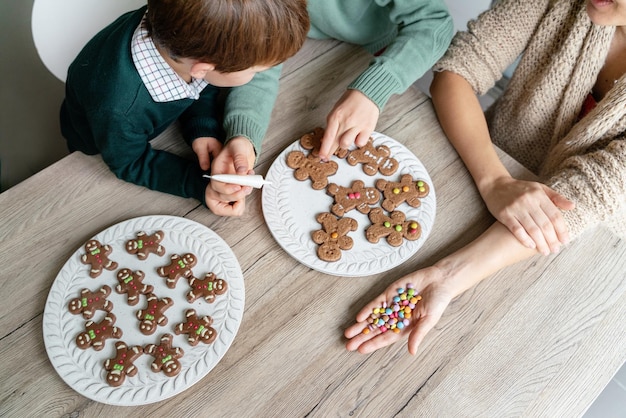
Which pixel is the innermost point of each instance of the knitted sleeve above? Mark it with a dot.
(249, 107)
(200, 119)
(596, 182)
(493, 42)
(122, 142)
(425, 31)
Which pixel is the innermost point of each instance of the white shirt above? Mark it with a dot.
(162, 82)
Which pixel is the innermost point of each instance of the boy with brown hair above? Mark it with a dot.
(166, 62)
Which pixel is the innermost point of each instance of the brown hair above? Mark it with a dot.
(234, 35)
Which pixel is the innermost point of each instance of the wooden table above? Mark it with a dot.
(541, 338)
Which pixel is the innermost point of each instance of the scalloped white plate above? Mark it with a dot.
(290, 207)
(83, 369)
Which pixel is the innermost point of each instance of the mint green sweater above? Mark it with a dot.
(415, 33)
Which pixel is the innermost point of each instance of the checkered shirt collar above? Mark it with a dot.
(162, 82)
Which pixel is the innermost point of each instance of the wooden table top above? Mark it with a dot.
(541, 338)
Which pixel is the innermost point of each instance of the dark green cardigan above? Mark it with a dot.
(108, 110)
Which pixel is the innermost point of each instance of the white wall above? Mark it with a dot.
(30, 97)
(464, 10)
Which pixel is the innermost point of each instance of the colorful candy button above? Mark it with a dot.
(394, 316)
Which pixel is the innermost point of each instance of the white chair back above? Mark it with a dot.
(62, 27)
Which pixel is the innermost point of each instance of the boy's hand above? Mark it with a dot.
(237, 157)
(206, 148)
(531, 211)
(222, 207)
(429, 283)
(351, 121)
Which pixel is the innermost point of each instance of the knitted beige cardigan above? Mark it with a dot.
(535, 120)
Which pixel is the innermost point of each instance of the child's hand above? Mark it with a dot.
(237, 157)
(351, 121)
(206, 148)
(224, 206)
(531, 211)
(429, 283)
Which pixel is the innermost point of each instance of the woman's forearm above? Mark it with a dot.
(493, 250)
(463, 121)
(437, 285)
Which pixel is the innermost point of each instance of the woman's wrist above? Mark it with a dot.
(493, 250)
(455, 273)
(487, 181)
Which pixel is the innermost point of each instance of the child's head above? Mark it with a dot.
(233, 35)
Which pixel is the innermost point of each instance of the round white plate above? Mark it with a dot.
(83, 370)
(290, 207)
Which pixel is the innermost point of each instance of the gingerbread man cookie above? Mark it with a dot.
(374, 159)
(407, 190)
(98, 257)
(145, 245)
(154, 314)
(197, 329)
(122, 365)
(311, 167)
(97, 332)
(165, 356)
(332, 238)
(131, 283)
(313, 141)
(357, 196)
(89, 302)
(395, 227)
(178, 267)
(208, 288)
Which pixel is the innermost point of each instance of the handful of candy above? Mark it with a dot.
(396, 315)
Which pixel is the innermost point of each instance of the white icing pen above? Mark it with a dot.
(254, 180)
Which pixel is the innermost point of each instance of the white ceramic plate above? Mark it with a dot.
(290, 207)
(83, 369)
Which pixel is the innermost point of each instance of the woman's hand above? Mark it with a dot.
(351, 121)
(430, 284)
(494, 249)
(531, 211)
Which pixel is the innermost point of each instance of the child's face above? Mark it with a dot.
(607, 12)
(238, 78)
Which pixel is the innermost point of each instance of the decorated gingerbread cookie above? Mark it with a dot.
(153, 314)
(131, 283)
(333, 237)
(357, 196)
(312, 141)
(394, 227)
(96, 333)
(122, 364)
(145, 244)
(198, 329)
(207, 288)
(89, 302)
(311, 167)
(97, 256)
(406, 190)
(177, 268)
(165, 356)
(374, 159)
